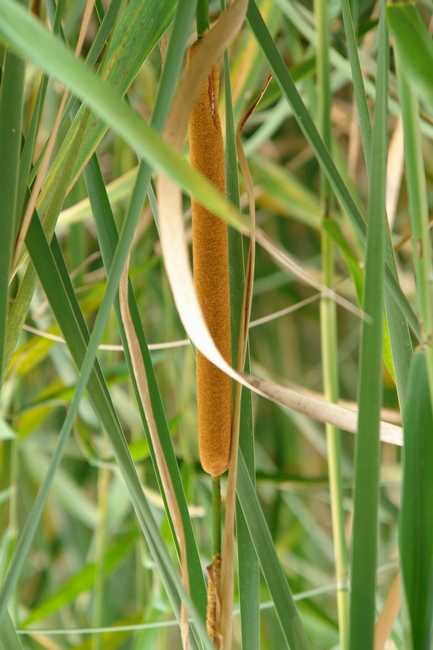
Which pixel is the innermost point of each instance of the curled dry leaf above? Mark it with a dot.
(208, 51)
(321, 410)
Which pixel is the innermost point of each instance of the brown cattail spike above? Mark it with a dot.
(211, 277)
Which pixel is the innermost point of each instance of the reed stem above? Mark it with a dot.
(328, 326)
(216, 515)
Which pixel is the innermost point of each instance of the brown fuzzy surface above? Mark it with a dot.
(211, 277)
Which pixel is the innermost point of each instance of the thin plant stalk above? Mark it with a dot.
(328, 327)
(358, 83)
(216, 515)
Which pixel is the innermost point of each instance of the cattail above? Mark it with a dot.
(211, 277)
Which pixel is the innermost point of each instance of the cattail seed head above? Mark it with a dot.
(211, 277)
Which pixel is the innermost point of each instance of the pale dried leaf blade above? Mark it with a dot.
(394, 171)
(321, 410)
(388, 615)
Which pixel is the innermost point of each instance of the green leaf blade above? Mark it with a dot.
(367, 461)
(416, 517)
(285, 607)
(11, 112)
(407, 28)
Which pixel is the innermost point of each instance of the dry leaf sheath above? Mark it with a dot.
(211, 277)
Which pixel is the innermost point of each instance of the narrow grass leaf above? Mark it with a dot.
(9, 639)
(367, 456)
(278, 586)
(32, 132)
(416, 517)
(407, 27)
(358, 82)
(11, 112)
(50, 144)
(328, 325)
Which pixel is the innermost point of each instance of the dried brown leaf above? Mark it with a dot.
(389, 613)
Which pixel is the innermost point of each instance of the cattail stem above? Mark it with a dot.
(216, 515)
(211, 277)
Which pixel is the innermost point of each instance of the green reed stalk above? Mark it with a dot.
(328, 328)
